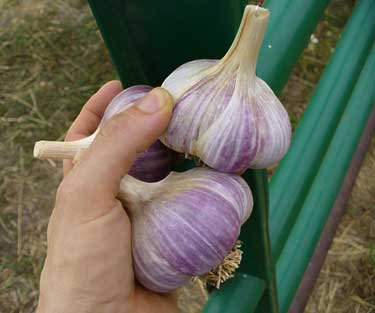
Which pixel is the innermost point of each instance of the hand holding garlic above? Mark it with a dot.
(89, 261)
(224, 115)
(151, 165)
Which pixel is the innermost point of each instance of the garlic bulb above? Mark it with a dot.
(224, 114)
(152, 165)
(184, 225)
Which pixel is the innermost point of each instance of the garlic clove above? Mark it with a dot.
(224, 114)
(184, 225)
(188, 71)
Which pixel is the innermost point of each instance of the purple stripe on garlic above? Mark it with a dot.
(224, 114)
(153, 164)
(184, 225)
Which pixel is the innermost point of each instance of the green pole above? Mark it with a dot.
(148, 39)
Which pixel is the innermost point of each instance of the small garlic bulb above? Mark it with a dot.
(151, 165)
(224, 114)
(184, 225)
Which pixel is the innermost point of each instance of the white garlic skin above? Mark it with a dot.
(224, 114)
(185, 225)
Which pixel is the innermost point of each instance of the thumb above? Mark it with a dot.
(115, 147)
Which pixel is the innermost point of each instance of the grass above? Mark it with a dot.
(52, 59)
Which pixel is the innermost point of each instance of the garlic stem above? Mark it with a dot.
(245, 48)
(58, 150)
(134, 192)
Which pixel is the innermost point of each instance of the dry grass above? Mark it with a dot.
(347, 281)
(47, 70)
(51, 59)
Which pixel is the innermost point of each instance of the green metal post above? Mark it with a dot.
(322, 194)
(293, 178)
(148, 39)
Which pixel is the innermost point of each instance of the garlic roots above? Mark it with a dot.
(224, 114)
(184, 225)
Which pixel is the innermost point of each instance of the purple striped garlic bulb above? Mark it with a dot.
(152, 165)
(184, 225)
(224, 114)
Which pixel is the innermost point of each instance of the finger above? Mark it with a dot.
(114, 149)
(91, 114)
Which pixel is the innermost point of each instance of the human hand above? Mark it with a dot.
(88, 267)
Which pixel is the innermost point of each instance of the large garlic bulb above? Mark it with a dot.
(184, 225)
(151, 165)
(224, 114)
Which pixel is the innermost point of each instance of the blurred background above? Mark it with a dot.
(52, 59)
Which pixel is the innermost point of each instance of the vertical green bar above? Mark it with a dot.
(148, 39)
(257, 257)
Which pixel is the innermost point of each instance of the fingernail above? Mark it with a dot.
(154, 101)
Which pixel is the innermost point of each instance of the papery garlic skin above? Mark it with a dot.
(223, 113)
(185, 225)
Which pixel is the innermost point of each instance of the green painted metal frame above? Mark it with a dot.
(148, 39)
(325, 109)
(326, 185)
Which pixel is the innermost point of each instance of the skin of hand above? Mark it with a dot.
(88, 267)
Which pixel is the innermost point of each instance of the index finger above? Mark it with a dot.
(91, 114)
